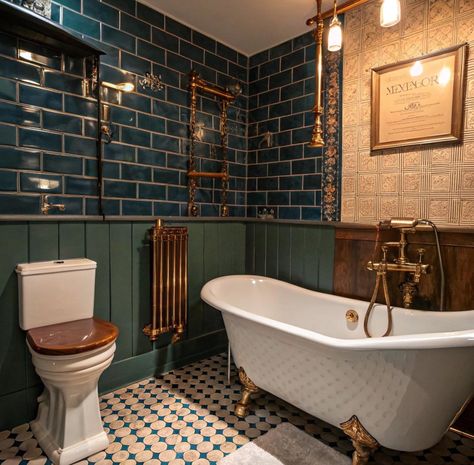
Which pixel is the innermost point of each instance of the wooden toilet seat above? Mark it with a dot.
(73, 337)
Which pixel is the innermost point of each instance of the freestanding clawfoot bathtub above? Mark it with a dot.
(308, 348)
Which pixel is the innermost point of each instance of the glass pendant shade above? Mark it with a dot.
(335, 35)
(390, 13)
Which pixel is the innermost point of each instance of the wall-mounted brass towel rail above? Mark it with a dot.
(226, 97)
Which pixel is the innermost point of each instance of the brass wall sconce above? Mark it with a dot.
(121, 86)
(90, 85)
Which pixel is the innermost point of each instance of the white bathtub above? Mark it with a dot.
(297, 344)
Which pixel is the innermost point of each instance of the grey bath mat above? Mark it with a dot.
(285, 445)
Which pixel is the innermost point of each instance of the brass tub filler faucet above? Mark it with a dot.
(402, 264)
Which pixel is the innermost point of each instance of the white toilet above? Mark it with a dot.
(70, 349)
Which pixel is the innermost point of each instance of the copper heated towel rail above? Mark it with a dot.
(169, 281)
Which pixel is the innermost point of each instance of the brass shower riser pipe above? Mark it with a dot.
(345, 7)
(206, 174)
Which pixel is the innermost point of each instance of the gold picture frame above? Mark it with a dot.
(419, 101)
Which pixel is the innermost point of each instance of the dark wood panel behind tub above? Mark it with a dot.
(354, 247)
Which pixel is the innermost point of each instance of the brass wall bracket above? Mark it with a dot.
(248, 388)
(364, 443)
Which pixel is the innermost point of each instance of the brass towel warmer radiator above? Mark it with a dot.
(169, 281)
(226, 97)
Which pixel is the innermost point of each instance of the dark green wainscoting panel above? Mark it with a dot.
(302, 254)
(122, 253)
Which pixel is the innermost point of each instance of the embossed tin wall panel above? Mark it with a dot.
(435, 182)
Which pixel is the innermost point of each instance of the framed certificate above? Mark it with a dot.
(419, 101)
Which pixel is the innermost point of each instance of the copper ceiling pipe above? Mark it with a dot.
(346, 6)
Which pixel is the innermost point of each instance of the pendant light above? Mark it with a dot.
(335, 33)
(390, 13)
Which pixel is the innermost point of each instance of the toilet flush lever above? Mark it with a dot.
(46, 206)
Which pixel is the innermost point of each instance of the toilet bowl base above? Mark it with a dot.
(70, 454)
(68, 426)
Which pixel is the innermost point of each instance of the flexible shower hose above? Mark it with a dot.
(380, 275)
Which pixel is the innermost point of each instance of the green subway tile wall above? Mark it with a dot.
(284, 174)
(48, 125)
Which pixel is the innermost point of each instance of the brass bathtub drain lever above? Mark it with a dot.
(352, 316)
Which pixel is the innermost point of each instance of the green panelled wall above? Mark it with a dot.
(122, 295)
(302, 254)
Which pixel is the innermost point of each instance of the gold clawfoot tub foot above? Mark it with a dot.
(362, 441)
(248, 387)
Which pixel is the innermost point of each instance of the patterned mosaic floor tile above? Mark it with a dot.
(186, 417)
